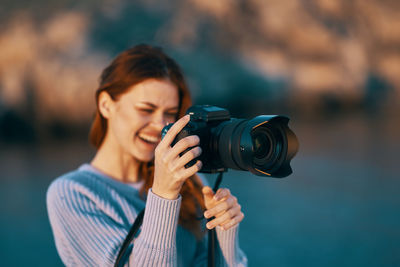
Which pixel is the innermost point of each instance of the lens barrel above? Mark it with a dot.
(263, 145)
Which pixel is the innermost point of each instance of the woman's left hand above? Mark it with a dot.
(223, 206)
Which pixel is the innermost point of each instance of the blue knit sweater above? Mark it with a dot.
(91, 214)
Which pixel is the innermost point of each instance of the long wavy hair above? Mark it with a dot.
(131, 67)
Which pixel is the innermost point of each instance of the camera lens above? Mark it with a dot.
(262, 144)
(267, 146)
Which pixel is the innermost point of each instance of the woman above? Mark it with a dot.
(92, 208)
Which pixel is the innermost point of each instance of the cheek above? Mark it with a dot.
(119, 131)
(123, 127)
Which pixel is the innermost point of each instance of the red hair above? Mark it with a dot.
(131, 67)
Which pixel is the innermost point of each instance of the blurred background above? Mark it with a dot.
(332, 66)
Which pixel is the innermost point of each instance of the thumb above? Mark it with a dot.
(208, 195)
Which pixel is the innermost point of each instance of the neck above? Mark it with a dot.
(120, 166)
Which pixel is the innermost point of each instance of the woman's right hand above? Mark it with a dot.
(169, 168)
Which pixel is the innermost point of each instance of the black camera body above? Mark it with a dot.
(263, 145)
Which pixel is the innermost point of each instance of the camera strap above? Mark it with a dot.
(212, 235)
(122, 257)
(122, 254)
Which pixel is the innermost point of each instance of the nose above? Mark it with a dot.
(159, 121)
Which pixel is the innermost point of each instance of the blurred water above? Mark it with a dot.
(340, 207)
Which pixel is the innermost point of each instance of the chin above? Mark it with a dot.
(144, 158)
(147, 159)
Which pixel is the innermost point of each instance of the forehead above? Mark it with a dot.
(162, 93)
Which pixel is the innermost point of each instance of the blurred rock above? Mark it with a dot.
(50, 67)
(310, 53)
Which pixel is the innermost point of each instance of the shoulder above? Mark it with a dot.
(73, 185)
(67, 181)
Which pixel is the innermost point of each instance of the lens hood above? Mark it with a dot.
(280, 146)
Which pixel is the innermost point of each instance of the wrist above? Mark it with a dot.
(163, 194)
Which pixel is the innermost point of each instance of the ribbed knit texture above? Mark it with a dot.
(91, 214)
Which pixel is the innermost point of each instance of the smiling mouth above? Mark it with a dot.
(151, 139)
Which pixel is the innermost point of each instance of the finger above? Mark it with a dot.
(174, 130)
(188, 156)
(210, 203)
(225, 217)
(181, 146)
(217, 221)
(185, 173)
(234, 221)
(222, 193)
(207, 191)
(208, 194)
(221, 207)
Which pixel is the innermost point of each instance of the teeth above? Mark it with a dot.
(149, 138)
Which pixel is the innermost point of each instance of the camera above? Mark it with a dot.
(263, 145)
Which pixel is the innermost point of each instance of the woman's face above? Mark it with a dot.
(137, 117)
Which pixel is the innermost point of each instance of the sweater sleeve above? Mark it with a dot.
(86, 236)
(230, 253)
(227, 250)
(156, 244)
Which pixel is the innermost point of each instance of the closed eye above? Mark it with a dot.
(171, 114)
(146, 111)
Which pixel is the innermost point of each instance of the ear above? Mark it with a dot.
(106, 104)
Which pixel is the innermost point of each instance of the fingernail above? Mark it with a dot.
(208, 225)
(206, 214)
